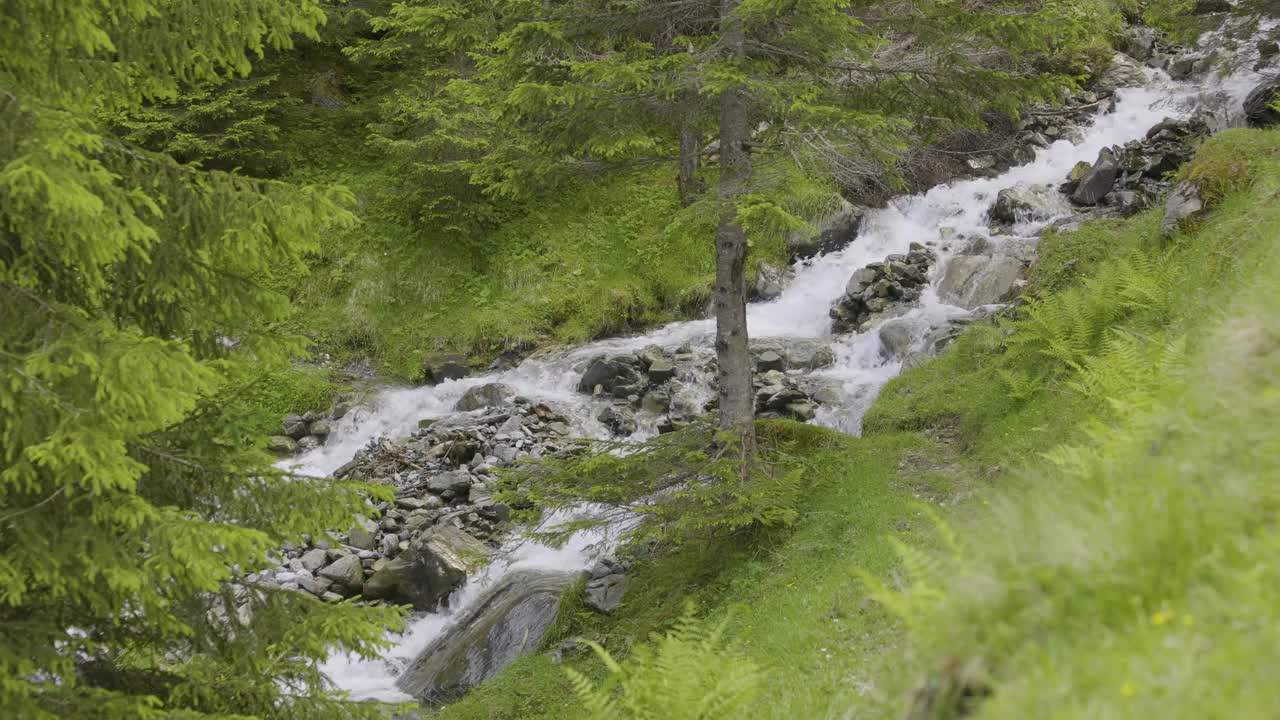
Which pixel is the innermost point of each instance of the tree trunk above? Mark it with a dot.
(690, 150)
(737, 401)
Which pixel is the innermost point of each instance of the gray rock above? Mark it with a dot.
(313, 560)
(619, 420)
(604, 594)
(308, 442)
(1098, 181)
(1123, 72)
(973, 280)
(619, 376)
(513, 425)
(439, 368)
(1268, 48)
(882, 289)
(1257, 106)
(487, 395)
(769, 360)
(282, 445)
(770, 281)
(363, 534)
(1139, 42)
(1022, 203)
(456, 481)
(390, 544)
(661, 370)
(320, 428)
(1184, 202)
(802, 410)
(294, 426)
(897, 336)
(435, 564)
(314, 585)
(345, 571)
(657, 402)
(837, 231)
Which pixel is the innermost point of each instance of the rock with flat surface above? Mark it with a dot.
(1184, 202)
(1123, 72)
(436, 563)
(1098, 181)
(974, 280)
(1257, 106)
(345, 571)
(487, 395)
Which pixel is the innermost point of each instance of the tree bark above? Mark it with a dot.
(690, 150)
(737, 401)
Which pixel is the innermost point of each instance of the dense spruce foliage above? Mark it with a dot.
(136, 305)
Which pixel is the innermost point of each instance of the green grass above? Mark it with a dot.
(1110, 532)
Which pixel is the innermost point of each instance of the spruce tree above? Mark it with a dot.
(135, 305)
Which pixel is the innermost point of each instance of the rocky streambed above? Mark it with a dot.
(875, 291)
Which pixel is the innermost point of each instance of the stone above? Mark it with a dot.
(970, 281)
(390, 544)
(314, 585)
(882, 288)
(308, 442)
(897, 336)
(1268, 48)
(604, 594)
(619, 420)
(294, 426)
(1257, 106)
(656, 402)
(838, 231)
(861, 279)
(769, 360)
(411, 503)
(436, 562)
(1099, 180)
(1139, 42)
(1020, 203)
(363, 534)
(661, 370)
(440, 368)
(320, 428)
(282, 445)
(770, 281)
(345, 571)
(313, 560)
(457, 481)
(1123, 72)
(512, 425)
(483, 396)
(1184, 202)
(619, 376)
(803, 410)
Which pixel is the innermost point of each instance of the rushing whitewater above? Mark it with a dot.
(860, 369)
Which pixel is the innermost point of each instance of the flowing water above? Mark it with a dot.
(800, 312)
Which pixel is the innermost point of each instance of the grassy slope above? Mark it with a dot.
(1132, 578)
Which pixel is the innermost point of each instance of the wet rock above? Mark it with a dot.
(770, 281)
(809, 354)
(282, 445)
(973, 280)
(1023, 203)
(363, 534)
(345, 571)
(604, 594)
(508, 621)
(294, 426)
(1184, 202)
(1139, 42)
(1123, 72)
(320, 428)
(898, 335)
(440, 368)
(874, 289)
(487, 395)
(657, 402)
(619, 420)
(618, 375)
(1257, 106)
(1098, 181)
(435, 564)
(308, 442)
(1268, 48)
(838, 231)
(770, 360)
(661, 370)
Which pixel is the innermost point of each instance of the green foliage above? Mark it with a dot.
(682, 487)
(134, 300)
(685, 674)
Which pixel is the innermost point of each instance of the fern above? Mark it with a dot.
(686, 674)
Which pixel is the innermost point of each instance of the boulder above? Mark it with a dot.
(345, 571)
(838, 231)
(308, 442)
(438, 368)
(1123, 72)
(436, 563)
(604, 594)
(769, 360)
(487, 395)
(770, 281)
(1184, 202)
(1022, 203)
(1098, 181)
(363, 534)
(320, 428)
(313, 560)
(897, 336)
(618, 375)
(282, 445)
(457, 481)
(619, 420)
(295, 426)
(657, 402)
(970, 281)
(661, 370)
(1139, 42)
(1257, 106)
